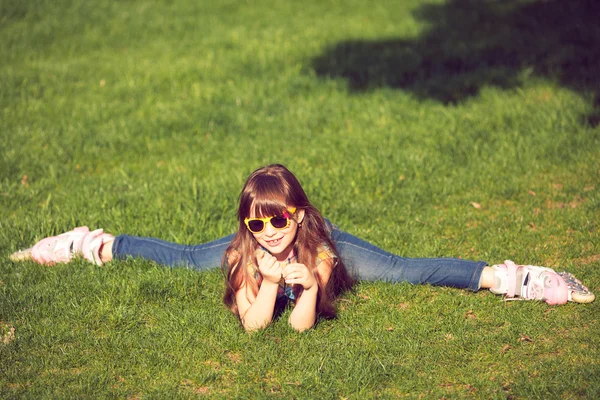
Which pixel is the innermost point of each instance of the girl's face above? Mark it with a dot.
(279, 242)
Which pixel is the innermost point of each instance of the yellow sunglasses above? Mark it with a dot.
(257, 225)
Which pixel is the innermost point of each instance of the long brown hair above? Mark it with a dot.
(271, 190)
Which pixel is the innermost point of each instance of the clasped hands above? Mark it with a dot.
(293, 274)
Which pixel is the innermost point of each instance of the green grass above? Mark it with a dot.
(146, 117)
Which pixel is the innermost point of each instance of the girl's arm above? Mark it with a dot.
(257, 312)
(304, 314)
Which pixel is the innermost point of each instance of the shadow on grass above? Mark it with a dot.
(476, 43)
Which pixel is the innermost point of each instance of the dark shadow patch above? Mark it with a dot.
(472, 44)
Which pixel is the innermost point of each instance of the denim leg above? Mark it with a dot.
(200, 257)
(371, 263)
(367, 261)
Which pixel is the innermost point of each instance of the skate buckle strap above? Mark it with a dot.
(512, 278)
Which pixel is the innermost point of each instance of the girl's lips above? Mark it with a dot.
(273, 242)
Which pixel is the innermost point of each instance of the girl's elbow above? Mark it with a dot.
(253, 327)
(301, 326)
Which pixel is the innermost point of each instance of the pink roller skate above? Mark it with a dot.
(529, 282)
(62, 248)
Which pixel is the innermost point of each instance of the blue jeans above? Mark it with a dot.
(364, 260)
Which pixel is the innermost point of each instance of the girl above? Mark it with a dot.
(284, 250)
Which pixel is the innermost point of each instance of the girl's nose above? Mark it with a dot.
(269, 230)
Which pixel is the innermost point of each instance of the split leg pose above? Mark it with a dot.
(285, 250)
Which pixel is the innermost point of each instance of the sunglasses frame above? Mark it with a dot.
(288, 217)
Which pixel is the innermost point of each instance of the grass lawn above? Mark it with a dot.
(430, 128)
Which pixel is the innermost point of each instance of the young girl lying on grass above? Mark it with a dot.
(285, 251)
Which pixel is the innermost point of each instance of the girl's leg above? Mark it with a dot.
(371, 263)
(199, 257)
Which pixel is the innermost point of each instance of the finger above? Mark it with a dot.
(259, 254)
(295, 282)
(291, 268)
(271, 262)
(271, 267)
(263, 261)
(295, 276)
(269, 258)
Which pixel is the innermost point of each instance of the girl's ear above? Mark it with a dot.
(300, 216)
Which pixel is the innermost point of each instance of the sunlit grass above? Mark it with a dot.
(146, 117)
